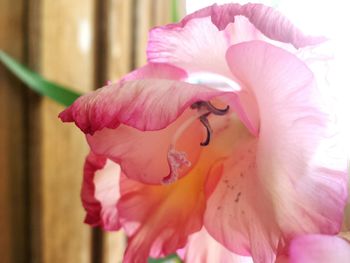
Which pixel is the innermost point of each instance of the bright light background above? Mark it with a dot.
(330, 18)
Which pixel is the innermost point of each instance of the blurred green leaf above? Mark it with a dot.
(58, 93)
(169, 259)
(175, 17)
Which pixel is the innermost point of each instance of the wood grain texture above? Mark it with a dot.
(66, 56)
(142, 23)
(119, 38)
(13, 179)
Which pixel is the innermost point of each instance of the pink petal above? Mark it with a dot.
(283, 84)
(147, 104)
(144, 156)
(100, 192)
(158, 219)
(202, 248)
(239, 214)
(269, 21)
(197, 47)
(292, 128)
(319, 249)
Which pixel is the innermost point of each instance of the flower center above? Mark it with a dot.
(177, 160)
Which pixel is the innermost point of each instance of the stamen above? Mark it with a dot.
(206, 124)
(217, 111)
(197, 105)
(210, 107)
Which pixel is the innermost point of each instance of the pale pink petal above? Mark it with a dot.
(239, 214)
(100, 192)
(144, 156)
(146, 104)
(269, 21)
(202, 248)
(277, 27)
(197, 47)
(292, 127)
(155, 218)
(156, 71)
(319, 249)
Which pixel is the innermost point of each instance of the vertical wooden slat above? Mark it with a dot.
(66, 56)
(143, 22)
(33, 54)
(119, 38)
(162, 12)
(13, 179)
(117, 62)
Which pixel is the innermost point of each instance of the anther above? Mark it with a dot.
(217, 111)
(203, 119)
(210, 107)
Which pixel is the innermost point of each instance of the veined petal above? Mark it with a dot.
(202, 248)
(146, 104)
(292, 128)
(269, 21)
(158, 219)
(320, 249)
(100, 192)
(197, 47)
(239, 214)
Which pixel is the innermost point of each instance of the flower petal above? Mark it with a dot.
(158, 219)
(269, 21)
(293, 127)
(197, 47)
(144, 156)
(320, 249)
(146, 104)
(100, 192)
(202, 248)
(238, 212)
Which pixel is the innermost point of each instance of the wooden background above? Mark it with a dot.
(81, 44)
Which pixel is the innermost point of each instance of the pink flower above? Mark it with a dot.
(241, 157)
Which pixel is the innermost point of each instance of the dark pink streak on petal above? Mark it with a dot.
(147, 104)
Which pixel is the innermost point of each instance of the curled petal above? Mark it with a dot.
(293, 127)
(146, 104)
(197, 47)
(269, 21)
(100, 192)
(320, 249)
(144, 156)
